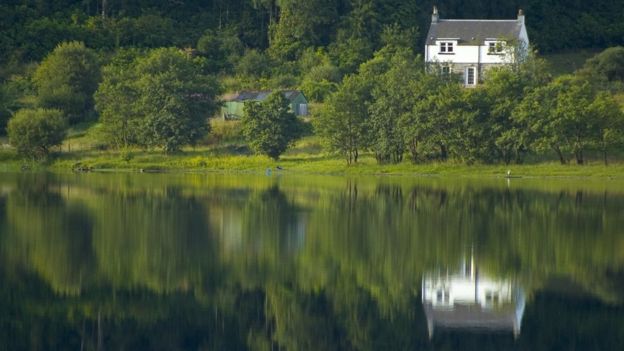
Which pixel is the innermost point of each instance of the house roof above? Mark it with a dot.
(473, 32)
(473, 317)
(260, 95)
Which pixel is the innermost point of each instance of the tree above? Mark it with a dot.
(115, 100)
(344, 123)
(221, 49)
(162, 99)
(67, 79)
(610, 120)
(269, 126)
(34, 132)
(320, 81)
(302, 24)
(391, 101)
(253, 65)
(561, 116)
(175, 99)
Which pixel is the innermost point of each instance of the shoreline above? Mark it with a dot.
(304, 164)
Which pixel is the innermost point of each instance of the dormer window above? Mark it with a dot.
(446, 47)
(495, 47)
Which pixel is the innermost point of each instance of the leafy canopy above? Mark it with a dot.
(161, 99)
(270, 126)
(67, 79)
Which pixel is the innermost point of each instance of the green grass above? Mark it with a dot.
(205, 160)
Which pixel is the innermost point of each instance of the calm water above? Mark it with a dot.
(228, 262)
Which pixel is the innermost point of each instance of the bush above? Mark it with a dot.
(34, 132)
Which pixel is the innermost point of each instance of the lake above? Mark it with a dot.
(233, 262)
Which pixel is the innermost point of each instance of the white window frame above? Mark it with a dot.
(446, 70)
(474, 76)
(496, 47)
(447, 47)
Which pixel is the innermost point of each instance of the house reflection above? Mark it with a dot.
(466, 299)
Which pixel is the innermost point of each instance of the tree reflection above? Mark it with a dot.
(216, 262)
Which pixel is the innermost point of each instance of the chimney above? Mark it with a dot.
(435, 17)
(521, 16)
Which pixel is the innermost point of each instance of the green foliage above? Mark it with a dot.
(253, 65)
(391, 101)
(162, 99)
(345, 122)
(116, 100)
(302, 25)
(67, 79)
(222, 50)
(34, 132)
(320, 81)
(606, 69)
(562, 116)
(269, 126)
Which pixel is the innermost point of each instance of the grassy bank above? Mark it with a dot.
(210, 160)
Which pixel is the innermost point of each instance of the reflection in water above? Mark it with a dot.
(469, 299)
(179, 262)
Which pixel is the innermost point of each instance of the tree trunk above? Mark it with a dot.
(443, 152)
(560, 154)
(579, 157)
(413, 146)
(104, 5)
(604, 156)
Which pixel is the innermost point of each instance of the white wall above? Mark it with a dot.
(465, 290)
(464, 54)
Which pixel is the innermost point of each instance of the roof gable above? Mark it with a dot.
(473, 32)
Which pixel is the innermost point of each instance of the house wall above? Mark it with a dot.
(465, 54)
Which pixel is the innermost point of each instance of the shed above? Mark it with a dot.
(233, 104)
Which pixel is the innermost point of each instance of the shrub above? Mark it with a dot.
(34, 132)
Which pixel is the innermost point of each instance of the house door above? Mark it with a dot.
(471, 76)
(303, 109)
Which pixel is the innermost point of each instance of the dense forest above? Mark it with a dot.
(69, 63)
(29, 29)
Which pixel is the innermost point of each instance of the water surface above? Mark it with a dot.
(282, 262)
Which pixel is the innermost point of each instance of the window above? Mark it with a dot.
(471, 78)
(446, 70)
(443, 295)
(492, 298)
(495, 48)
(446, 47)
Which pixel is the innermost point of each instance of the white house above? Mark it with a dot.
(466, 299)
(470, 47)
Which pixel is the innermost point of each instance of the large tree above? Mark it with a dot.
(162, 99)
(563, 116)
(67, 79)
(344, 123)
(269, 126)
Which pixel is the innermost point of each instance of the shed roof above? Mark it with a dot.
(473, 32)
(259, 95)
